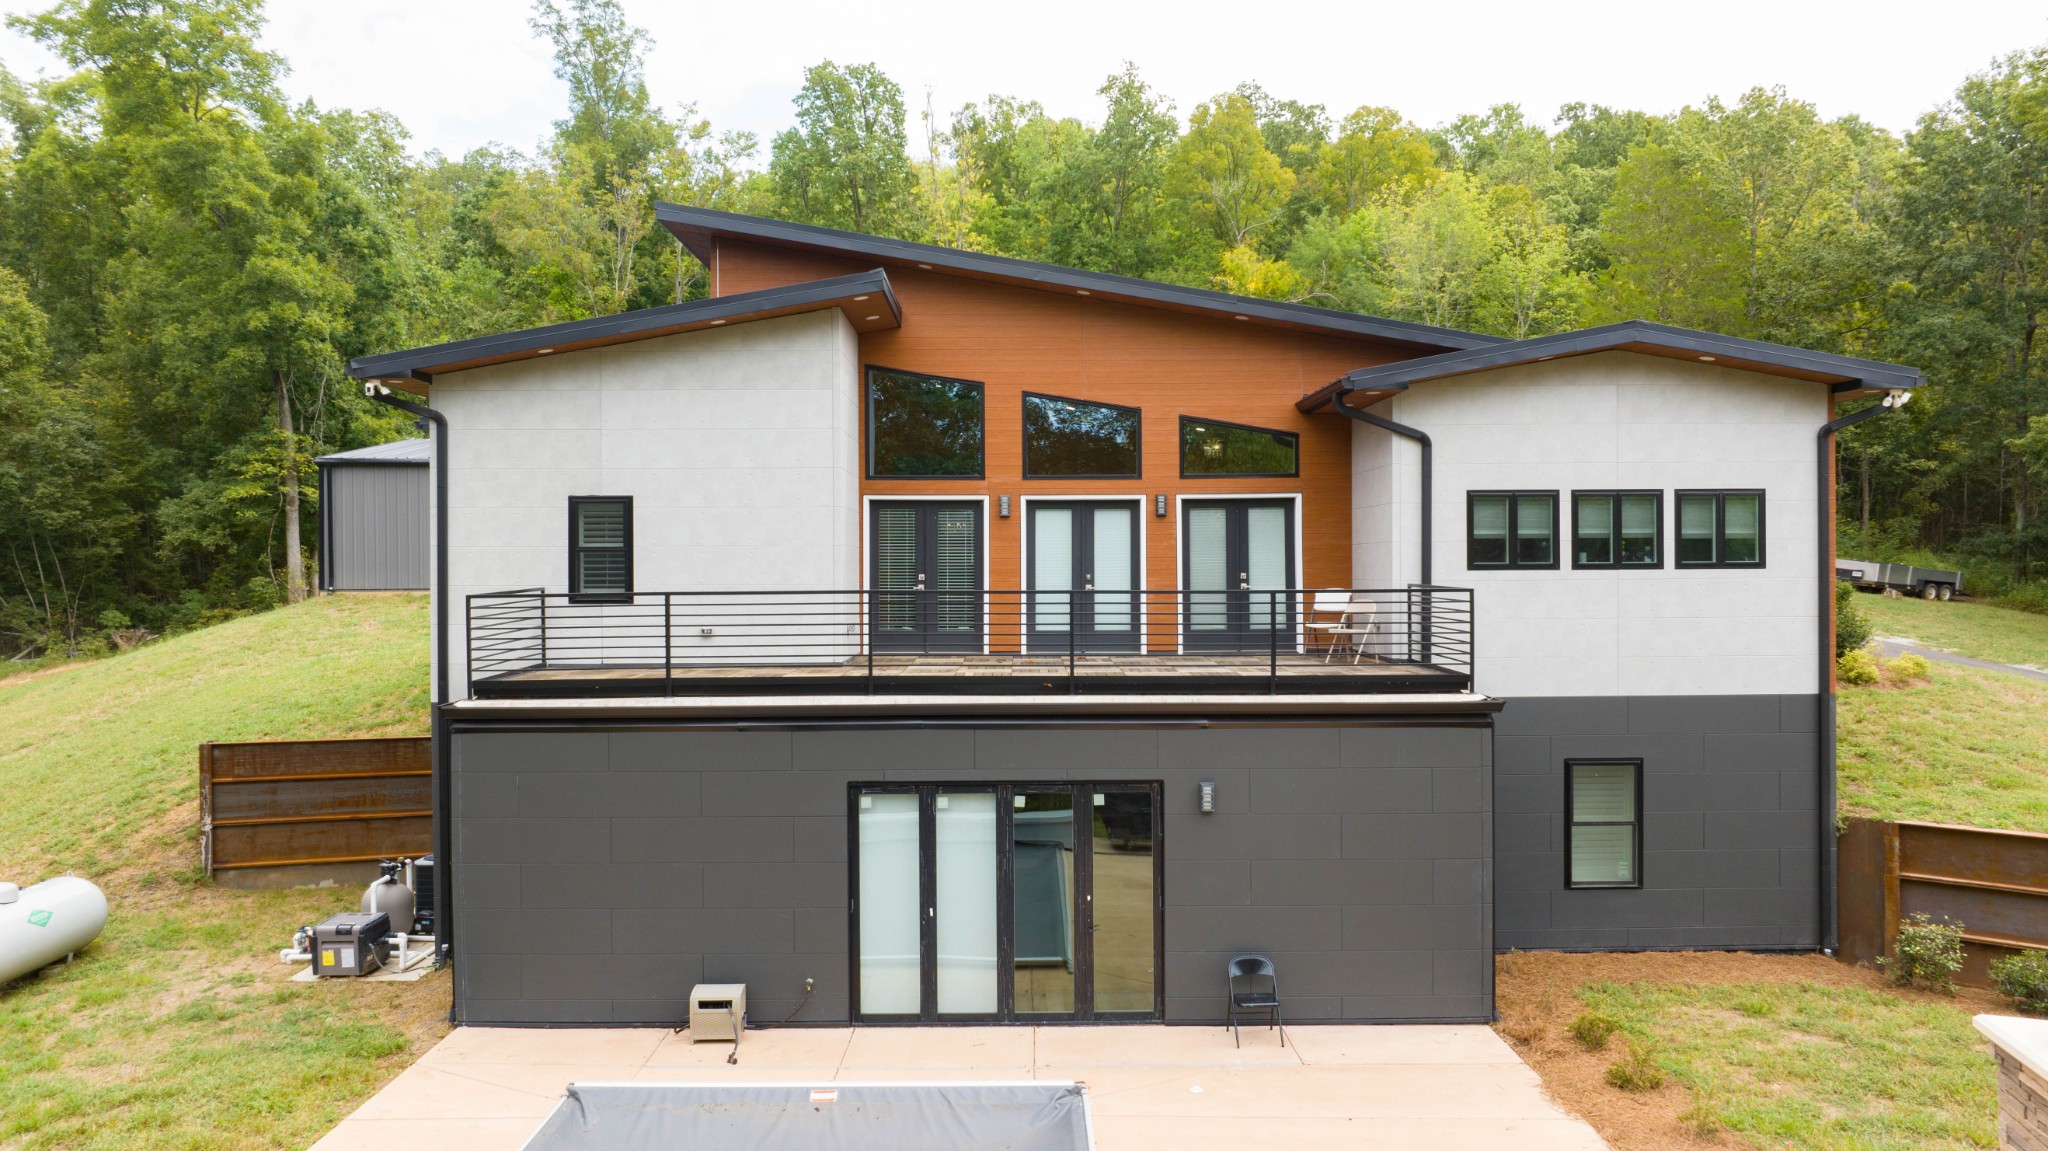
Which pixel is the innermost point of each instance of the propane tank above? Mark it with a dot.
(42, 924)
(391, 896)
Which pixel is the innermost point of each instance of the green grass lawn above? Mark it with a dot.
(1810, 1066)
(1993, 633)
(177, 1029)
(1965, 746)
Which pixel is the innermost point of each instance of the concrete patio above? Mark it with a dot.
(1443, 1087)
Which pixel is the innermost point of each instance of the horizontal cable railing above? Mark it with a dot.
(699, 641)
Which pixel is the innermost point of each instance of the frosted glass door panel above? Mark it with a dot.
(890, 939)
(1208, 569)
(965, 870)
(1266, 547)
(1113, 577)
(1052, 542)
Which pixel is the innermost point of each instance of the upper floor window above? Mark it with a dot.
(1511, 529)
(923, 427)
(1617, 529)
(1720, 529)
(1078, 438)
(601, 546)
(1214, 448)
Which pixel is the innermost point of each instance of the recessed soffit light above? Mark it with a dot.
(874, 317)
(1240, 317)
(859, 298)
(544, 351)
(926, 267)
(1706, 359)
(715, 323)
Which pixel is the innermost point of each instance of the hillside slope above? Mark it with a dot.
(1965, 746)
(178, 1028)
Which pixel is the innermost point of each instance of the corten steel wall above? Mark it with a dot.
(1730, 822)
(374, 527)
(1015, 339)
(600, 873)
(294, 803)
(1993, 883)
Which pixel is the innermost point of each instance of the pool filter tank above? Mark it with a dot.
(43, 923)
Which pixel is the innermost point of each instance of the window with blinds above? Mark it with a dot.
(601, 546)
(1617, 529)
(1721, 528)
(1603, 823)
(1511, 529)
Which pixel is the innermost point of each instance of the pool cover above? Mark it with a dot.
(1015, 1116)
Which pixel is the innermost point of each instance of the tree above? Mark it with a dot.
(846, 163)
(1677, 257)
(1376, 153)
(1234, 187)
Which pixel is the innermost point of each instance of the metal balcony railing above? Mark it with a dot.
(532, 642)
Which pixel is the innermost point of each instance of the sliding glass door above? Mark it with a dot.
(1083, 571)
(1238, 562)
(925, 569)
(1024, 902)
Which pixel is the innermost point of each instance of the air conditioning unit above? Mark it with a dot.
(718, 1011)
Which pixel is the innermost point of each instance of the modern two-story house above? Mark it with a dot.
(919, 635)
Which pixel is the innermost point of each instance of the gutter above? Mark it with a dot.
(1428, 466)
(1830, 927)
(443, 857)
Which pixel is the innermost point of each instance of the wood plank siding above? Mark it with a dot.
(1015, 339)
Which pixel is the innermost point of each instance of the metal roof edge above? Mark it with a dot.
(681, 219)
(642, 323)
(1872, 374)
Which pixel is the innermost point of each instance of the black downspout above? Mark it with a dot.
(1428, 470)
(326, 535)
(444, 913)
(1824, 547)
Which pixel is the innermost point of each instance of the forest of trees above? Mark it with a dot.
(188, 260)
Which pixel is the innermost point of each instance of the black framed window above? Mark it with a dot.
(1216, 448)
(1511, 529)
(601, 546)
(1720, 529)
(923, 427)
(1617, 529)
(1603, 830)
(1079, 439)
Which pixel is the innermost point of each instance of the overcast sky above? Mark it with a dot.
(462, 73)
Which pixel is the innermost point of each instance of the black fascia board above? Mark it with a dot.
(1859, 374)
(421, 363)
(681, 220)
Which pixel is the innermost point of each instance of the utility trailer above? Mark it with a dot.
(1927, 583)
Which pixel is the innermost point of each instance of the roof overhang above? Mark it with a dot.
(698, 229)
(771, 709)
(866, 299)
(1846, 376)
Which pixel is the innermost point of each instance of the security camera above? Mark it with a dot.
(374, 388)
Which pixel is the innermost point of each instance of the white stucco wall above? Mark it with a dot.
(739, 446)
(1611, 420)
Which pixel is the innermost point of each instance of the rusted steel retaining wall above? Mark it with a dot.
(1994, 883)
(301, 803)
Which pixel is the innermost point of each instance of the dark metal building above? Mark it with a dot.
(375, 508)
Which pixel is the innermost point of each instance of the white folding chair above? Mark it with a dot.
(1335, 604)
(1360, 623)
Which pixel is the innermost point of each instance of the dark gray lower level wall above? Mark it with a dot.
(598, 873)
(1730, 822)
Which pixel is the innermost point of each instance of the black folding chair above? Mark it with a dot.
(1255, 986)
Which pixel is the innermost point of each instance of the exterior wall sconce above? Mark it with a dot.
(1159, 506)
(1003, 507)
(1208, 786)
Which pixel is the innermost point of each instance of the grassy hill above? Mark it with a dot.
(178, 1029)
(1966, 746)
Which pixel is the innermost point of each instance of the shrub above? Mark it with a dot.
(1928, 954)
(1636, 1071)
(1907, 667)
(2023, 978)
(1593, 1029)
(1852, 627)
(1858, 667)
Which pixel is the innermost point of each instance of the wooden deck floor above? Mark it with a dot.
(997, 673)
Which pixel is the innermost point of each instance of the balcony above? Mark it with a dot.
(532, 644)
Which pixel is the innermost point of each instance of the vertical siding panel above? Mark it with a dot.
(379, 517)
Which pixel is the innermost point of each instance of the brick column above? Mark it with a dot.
(2022, 1046)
